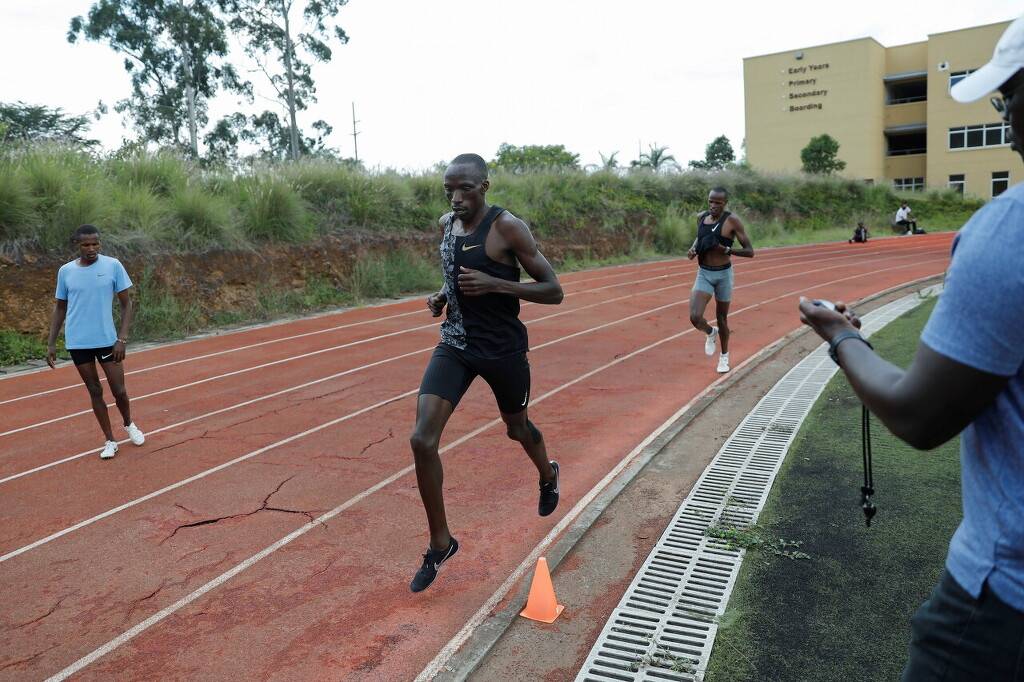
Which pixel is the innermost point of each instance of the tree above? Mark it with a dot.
(819, 156)
(610, 162)
(655, 159)
(34, 122)
(717, 155)
(276, 32)
(266, 132)
(535, 157)
(175, 51)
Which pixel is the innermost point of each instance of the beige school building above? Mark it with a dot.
(888, 107)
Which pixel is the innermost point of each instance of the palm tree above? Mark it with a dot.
(656, 159)
(609, 163)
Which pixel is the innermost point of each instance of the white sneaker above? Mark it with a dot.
(109, 449)
(723, 363)
(135, 433)
(709, 343)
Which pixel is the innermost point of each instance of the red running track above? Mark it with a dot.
(269, 526)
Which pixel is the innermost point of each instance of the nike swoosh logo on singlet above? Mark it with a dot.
(467, 248)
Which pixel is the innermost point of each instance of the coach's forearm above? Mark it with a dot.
(548, 293)
(881, 387)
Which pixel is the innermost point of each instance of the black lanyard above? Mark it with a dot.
(868, 489)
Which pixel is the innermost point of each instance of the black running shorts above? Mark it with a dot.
(451, 371)
(83, 356)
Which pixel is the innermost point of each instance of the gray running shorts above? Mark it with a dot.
(718, 283)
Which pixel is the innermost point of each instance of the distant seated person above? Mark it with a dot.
(860, 234)
(905, 220)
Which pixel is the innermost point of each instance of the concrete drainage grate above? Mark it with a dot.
(665, 625)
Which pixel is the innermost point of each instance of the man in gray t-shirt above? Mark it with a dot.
(968, 375)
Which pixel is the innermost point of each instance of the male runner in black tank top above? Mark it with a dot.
(716, 231)
(481, 249)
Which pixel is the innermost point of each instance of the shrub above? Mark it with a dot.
(273, 211)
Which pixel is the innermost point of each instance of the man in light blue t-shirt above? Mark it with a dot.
(968, 375)
(85, 293)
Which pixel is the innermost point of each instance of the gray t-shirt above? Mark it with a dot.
(979, 322)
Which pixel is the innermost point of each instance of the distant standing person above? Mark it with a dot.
(482, 248)
(85, 291)
(717, 229)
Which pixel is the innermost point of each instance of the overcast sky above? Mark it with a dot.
(432, 79)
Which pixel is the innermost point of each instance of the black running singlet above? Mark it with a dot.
(708, 234)
(487, 326)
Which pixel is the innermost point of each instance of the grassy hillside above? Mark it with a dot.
(159, 202)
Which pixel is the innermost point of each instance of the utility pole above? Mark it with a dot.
(355, 133)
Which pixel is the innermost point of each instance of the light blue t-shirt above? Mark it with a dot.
(979, 322)
(89, 292)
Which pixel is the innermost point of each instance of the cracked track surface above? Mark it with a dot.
(334, 602)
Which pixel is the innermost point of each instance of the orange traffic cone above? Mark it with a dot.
(542, 604)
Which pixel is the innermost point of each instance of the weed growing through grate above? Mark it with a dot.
(756, 538)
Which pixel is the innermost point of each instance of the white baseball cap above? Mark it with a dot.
(1007, 59)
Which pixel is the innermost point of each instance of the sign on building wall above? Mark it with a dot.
(804, 83)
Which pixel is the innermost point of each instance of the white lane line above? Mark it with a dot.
(397, 357)
(848, 256)
(322, 380)
(642, 269)
(418, 311)
(242, 458)
(285, 360)
(302, 530)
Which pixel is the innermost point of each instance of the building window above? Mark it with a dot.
(986, 135)
(903, 92)
(958, 183)
(958, 76)
(1000, 181)
(901, 144)
(910, 184)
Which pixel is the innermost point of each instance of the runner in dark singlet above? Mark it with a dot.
(481, 249)
(716, 231)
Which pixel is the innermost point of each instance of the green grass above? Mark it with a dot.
(402, 272)
(16, 348)
(843, 613)
(161, 202)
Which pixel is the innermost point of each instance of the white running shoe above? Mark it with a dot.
(109, 449)
(135, 433)
(709, 343)
(723, 363)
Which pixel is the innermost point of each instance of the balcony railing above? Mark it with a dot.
(907, 152)
(908, 100)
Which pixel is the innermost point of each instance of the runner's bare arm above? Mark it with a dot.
(545, 287)
(739, 233)
(124, 298)
(925, 405)
(60, 311)
(437, 301)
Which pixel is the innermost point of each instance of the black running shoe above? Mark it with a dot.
(432, 562)
(548, 494)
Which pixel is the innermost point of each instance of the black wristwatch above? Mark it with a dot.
(833, 345)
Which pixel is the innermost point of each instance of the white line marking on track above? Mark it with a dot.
(302, 530)
(670, 265)
(327, 330)
(848, 256)
(203, 474)
(405, 355)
